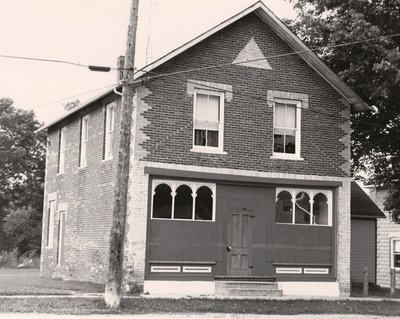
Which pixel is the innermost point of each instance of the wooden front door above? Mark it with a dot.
(239, 242)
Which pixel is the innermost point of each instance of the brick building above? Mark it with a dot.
(240, 170)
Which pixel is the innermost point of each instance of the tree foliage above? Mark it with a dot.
(371, 68)
(22, 161)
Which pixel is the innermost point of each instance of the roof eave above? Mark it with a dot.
(75, 110)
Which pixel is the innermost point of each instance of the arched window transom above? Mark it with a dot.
(183, 200)
(309, 207)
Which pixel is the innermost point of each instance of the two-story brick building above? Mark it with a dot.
(239, 174)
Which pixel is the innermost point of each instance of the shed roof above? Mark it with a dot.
(362, 205)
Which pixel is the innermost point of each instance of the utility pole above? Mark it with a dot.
(112, 294)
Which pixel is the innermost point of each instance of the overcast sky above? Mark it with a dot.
(94, 32)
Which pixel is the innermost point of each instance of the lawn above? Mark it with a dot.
(67, 300)
(28, 282)
(62, 305)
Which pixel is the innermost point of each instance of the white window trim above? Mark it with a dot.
(311, 193)
(51, 197)
(62, 149)
(392, 240)
(287, 156)
(84, 143)
(60, 235)
(194, 186)
(210, 149)
(109, 134)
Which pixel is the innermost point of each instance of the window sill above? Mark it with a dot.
(106, 160)
(60, 174)
(313, 225)
(287, 157)
(208, 151)
(81, 168)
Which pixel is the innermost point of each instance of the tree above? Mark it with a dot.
(22, 160)
(371, 68)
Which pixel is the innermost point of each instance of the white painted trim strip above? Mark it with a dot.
(196, 269)
(316, 271)
(165, 269)
(282, 270)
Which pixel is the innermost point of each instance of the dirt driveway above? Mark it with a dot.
(29, 282)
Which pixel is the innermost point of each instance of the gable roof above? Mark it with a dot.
(268, 17)
(362, 205)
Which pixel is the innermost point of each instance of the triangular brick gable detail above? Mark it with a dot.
(252, 52)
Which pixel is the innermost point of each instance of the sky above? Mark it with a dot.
(94, 32)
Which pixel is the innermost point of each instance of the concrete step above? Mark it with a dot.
(247, 289)
(246, 284)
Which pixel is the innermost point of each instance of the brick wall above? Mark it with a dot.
(86, 194)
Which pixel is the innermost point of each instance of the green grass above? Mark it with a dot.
(158, 305)
(29, 282)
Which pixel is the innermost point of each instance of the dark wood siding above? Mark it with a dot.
(363, 249)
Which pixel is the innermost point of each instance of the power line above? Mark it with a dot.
(106, 68)
(274, 56)
(91, 67)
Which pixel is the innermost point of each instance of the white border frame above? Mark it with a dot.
(83, 160)
(194, 187)
(295, 156)
(210, 149)
(50, 219)
(312, 193)
(392, 240)
(109, 134)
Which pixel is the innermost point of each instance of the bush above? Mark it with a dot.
(10, 259)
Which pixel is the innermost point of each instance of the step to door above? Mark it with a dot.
(247, 289)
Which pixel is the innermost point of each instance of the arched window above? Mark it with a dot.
(162, 202)
(302, 210)
(320, 210)
(183, 203)
(284, 208)
(204, 204)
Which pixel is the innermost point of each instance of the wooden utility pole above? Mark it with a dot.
(112, 295)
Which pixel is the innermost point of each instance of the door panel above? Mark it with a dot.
(239, 243)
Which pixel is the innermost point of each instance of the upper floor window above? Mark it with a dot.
(84, 141)
(61, 149)
(183, 200)
(208, 121)
(109, 131)
(306, 207)
(287, 115)
(395, 253)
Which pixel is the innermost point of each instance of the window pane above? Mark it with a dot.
(279, 115)
(396, 261)
(290, 142)
(320, 210)
(162, 202)
(396, 246)
(183, 202)
(200, 137)
(290, 116)
(278, 140)
(204, 204)
(207, 107)
(212, 138)
(284, 208)
(302, 209)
